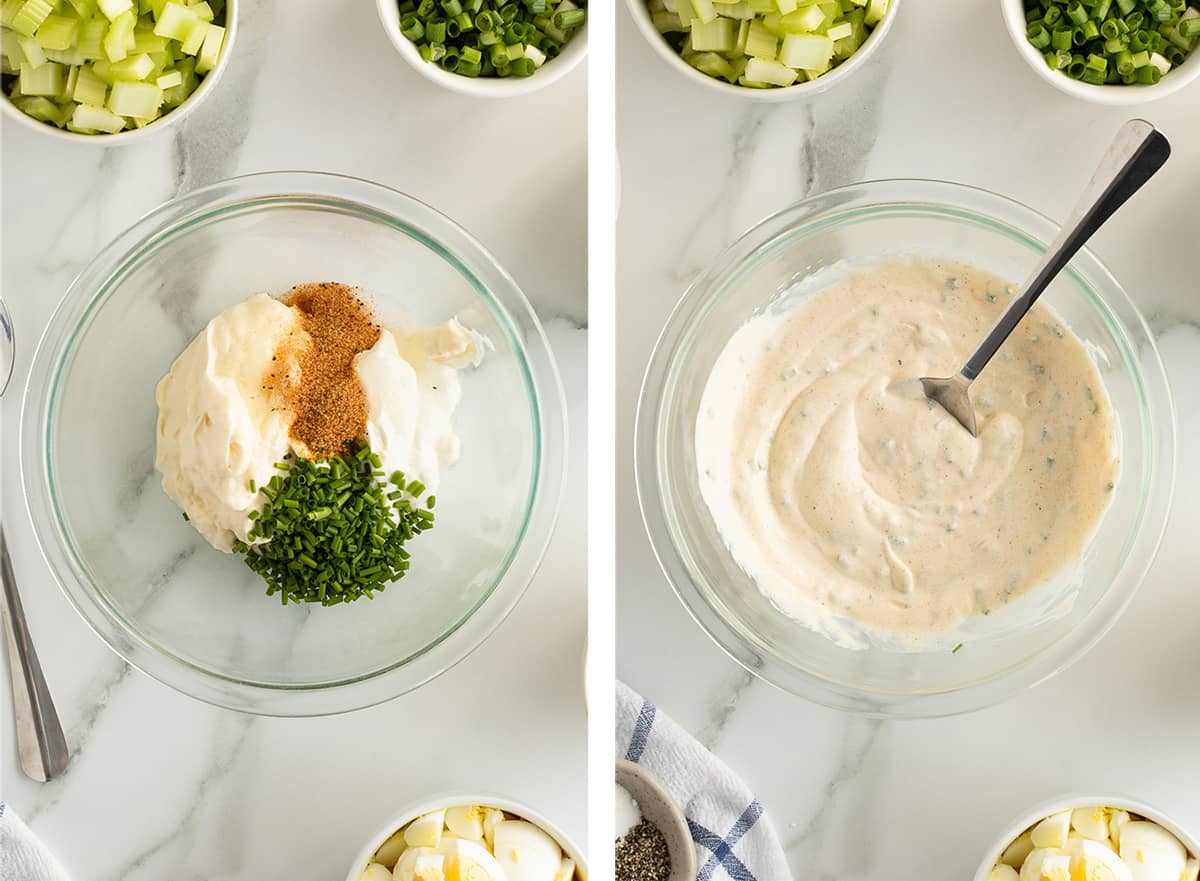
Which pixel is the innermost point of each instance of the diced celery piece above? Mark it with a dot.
(205, 12)
(773, 22)
(710, 63)
(667, 22)
(762, 7)
(807, 51)
(84, 8)
(806, 20)
(156, 7)
(31, 16)
(9, 10)
(96, 119)
(786, 6)
(68, 88)
(39, 108)
(140, 100)
(69, 57)
(739, 43)
(57, 32)
(169, 80)
(759, 70)
(116, 41)
(90, 43)
(47, 79)
(133, 69)
(704, 10)
(840, 31)
(103, 69)
(113, 9)
(876, 10)
(34, 56)
(90, 89)
(145, 40)
(717, 35)
(760, 42)
(195, 39)
(12, 56)
(740, 10)
(175, 21)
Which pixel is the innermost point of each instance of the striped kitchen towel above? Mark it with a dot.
(22, 856)
(734, 839)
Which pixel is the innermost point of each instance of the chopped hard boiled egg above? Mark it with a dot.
(526, 852)
(426, 831)
(471, 843)
(466, 821)
(1096, 843)
(1152, 853)
(1052, 831)
(376, 872)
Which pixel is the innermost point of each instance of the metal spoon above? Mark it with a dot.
(1137, 152)
(41, 746)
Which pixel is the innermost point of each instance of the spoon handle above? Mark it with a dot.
(1137, 152)
(41, 746)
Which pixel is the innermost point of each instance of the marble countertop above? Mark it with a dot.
(947, 97)
(162, 786)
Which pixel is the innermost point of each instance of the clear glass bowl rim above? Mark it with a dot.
(979, 206)
(479, 268)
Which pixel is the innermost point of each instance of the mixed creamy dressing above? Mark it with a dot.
(847, 498)
(221, 425)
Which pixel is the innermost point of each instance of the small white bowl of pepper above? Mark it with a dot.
(653, 842)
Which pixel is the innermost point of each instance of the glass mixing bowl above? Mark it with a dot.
(198, 619)
(1012, 648)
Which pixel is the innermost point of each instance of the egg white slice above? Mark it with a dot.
(526, 852)
(1152, 853)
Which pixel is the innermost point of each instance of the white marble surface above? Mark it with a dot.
(948, 97)
(162, 786)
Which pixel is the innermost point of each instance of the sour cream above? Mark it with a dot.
(222, 424)
(848, 500)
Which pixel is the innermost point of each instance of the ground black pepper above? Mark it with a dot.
(642, 854)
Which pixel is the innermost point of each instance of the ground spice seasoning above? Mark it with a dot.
(329, 408)
(642, 854)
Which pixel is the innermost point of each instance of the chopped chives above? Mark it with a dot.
(490, 38)
(1112, 41)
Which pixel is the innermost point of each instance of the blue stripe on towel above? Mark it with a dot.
(641, 732)
(722, 848)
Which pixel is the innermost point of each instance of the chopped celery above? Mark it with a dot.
(718, 35)
(57, 32)
(133, 68)
(31, 16)
(34, 56)
(175, 22)
(807, 51)
(91, 39)
(88, 118)
(760, 42)
(46, 79)
(90, 89)
(759, 70)
(141, 100)
(103, 66)
(112, 9)
(807, 37)
(195, 38)
(203, 11)
(119, 38)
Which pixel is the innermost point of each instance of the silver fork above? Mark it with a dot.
(1137, 152)
(41, 745)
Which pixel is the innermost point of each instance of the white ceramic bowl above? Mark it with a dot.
(553, 70)
(1111, 95)
(207, 86)
(406, 816)
(641, 17)
(1040, 812)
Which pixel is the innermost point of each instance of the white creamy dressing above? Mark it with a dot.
(220, 425)
(844, 498)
